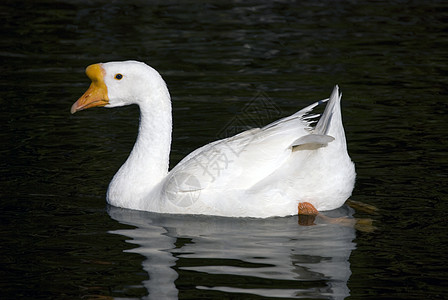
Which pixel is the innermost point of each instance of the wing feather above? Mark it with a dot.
(245, 159)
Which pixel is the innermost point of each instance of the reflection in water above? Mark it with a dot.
(311, 261)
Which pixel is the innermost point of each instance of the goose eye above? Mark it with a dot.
(118, 76)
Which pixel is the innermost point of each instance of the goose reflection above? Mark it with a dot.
(272, 257)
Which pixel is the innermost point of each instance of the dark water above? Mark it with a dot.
(59, 240)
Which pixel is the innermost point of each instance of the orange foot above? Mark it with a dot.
(307, 213)
(306, 208)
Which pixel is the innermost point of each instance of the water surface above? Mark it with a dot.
(59, 239)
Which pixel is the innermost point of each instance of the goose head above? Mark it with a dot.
(119, 83)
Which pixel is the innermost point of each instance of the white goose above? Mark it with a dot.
(262, 172)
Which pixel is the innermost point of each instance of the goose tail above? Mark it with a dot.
(330, 123)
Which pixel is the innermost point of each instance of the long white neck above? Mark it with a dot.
(148, 162)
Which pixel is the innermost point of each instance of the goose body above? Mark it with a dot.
(262, 172)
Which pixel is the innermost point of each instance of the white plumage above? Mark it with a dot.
(261, 172)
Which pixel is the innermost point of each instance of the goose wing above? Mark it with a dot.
(241, 161)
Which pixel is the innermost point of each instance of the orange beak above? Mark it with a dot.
(96, 95)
